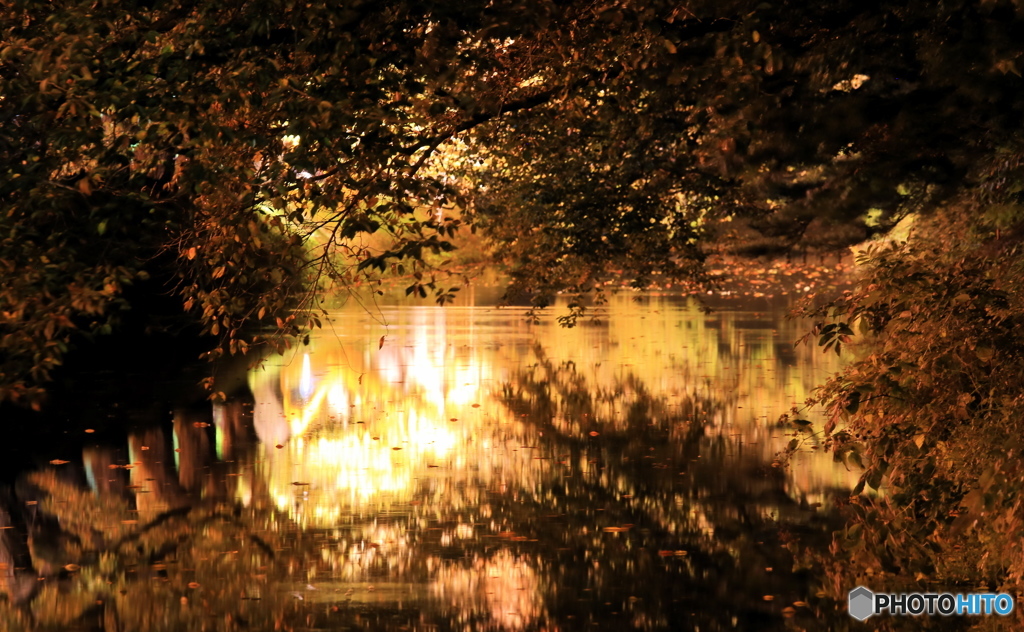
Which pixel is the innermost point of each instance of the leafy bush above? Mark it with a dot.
(931, 406)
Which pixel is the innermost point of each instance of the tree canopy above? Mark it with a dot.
(241, 158)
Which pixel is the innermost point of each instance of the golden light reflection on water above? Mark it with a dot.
(457, 468)
(505, 588)
(450, 415)
(348, 426)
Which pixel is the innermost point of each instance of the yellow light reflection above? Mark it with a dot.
(504, 587)
(350, 424)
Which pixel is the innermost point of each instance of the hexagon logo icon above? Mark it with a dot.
(861, 603)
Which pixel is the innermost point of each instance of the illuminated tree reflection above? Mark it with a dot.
(473, 473)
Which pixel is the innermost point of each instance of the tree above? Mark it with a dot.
(246, 158)
(233, 159)
(929, 405)
(753, 129)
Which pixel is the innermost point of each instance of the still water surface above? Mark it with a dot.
(457, 468)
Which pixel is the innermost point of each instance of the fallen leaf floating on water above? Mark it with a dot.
(193, 584)
(71, 568)
(769, 597)
(298, 483)
(618, 529)
(200, 424)
(279, 446)
(89, 431)
(58, 462)
(594, 433)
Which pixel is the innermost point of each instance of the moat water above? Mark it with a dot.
(459, 468)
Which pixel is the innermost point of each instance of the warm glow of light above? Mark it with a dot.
(306, 380)
(504, 587)
(364, 426)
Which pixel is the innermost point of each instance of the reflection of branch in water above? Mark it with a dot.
(173, 547)
(561, 392)
(16, 580)
(85, 558)
(414, 477)
(653, 467)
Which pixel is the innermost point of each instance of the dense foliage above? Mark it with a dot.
(240, 159)
(752, 128)
(231, 158)
(930, 407)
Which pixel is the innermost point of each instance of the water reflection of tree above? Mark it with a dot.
(652, 523)
(653, 466)
(109, 545)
